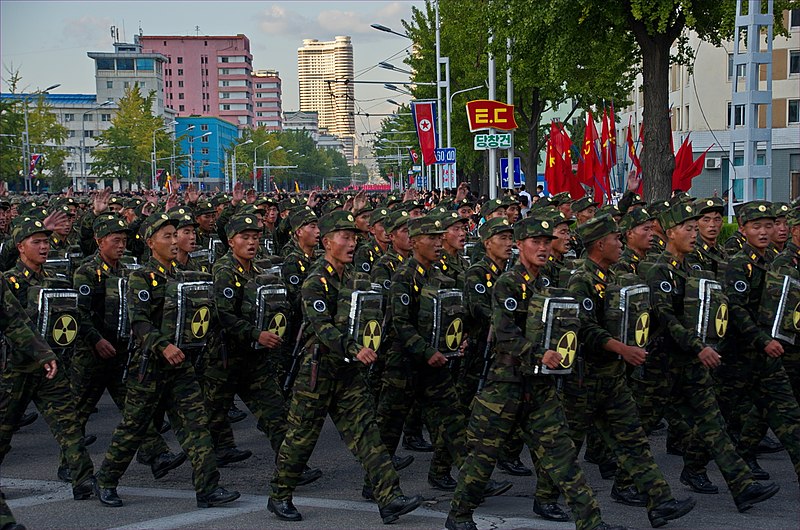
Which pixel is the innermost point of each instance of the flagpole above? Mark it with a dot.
(492, 152)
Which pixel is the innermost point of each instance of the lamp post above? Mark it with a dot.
(267, 168)
(191, 152)
(234, 180)
(26, 141)
(174, 140)
(450, 108)
(255, 165)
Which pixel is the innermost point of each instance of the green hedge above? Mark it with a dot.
(727, 231)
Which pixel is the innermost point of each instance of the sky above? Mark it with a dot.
(48, 41)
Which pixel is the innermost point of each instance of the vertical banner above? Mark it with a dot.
(424, 115)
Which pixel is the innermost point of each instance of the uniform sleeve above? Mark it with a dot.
(477, 296)
(592, 334)
(27, 346)
(140, 313)
(291, 274)
(83, 276)
(86, 232)
(320, 319)
(746, 326)
(404, 322)
(510, 338)
(664, 312)
(235, 326)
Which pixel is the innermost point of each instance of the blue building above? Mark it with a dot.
(203, 141)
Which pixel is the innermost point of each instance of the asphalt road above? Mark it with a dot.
(39, 501)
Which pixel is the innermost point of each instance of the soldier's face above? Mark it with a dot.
(498, 247)
(186, 239)
(611, 246)
(585, 214)
(271, 216)
(512, 213)
(245, 244)
(164, 243)
(206, 221)
(400, 240)
(427, 247)
(115, 207)
(308, 235)
(500, 212)
(340, 245)
(565, 209)
(465, 212)
(535, 250)
(684, 236)
(379, 232)
(710, 225)
(112, 246)
(640, 238)
(456, 236)
(562, 241)
(35, 248)
(780, 233)
(758, 232)
(416, 212)
(362, 221)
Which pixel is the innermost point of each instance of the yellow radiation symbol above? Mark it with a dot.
(452, 336)
(278, 324)
(642, 332)
(567, 347)
(796, 316)
(65, 330)
(200, 322)
(372, 335)
(721, 320)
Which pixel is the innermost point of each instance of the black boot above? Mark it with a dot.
(84, 490)
(399, 506)
(629, 496)
(64, 474)
(26, 419)
(444, 483)
(309, 475)
(757, 471)
(755, 493)
(550, 511)
(669, 510)
(515, 468)
(769, 445)
(108, 496)
(494, 488)
(402, 462)
(698, 482)
(417, 443)
(229, 455)
(217, 497)
(452, 524)
(236, 415)
(284, 510)
(166, 462)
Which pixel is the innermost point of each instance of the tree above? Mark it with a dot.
(125, 149)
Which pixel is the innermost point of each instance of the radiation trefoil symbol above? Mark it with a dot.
(642, 332)
(567, 347)
(796, 316)
(721, 320)
(278, 324)
(200, 322)
(452, 336)
(372, 335)
(65, 330)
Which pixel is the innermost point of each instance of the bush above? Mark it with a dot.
(727, 231)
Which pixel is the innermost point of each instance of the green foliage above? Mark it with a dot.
(727, 230)
(125, 149)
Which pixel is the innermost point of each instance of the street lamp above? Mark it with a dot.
(191, 152)
(83, 142)
(389, 86)
(267, 168)
(249, 141)
(174, 140)
(393, 68)
(450, 107)
(26, 142)
(381, 27)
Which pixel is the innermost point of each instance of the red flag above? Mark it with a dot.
(683, 159)
(426, 131)
(414, 156)
(605, 155)
(590, 167)
(612, 137)
(632, 152)
(552, 171)
(564, 148)
(35, 158)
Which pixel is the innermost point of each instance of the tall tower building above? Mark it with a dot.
(318, 64)
(267, 99)
(206, 75)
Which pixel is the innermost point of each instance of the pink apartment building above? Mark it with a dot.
(206, 75)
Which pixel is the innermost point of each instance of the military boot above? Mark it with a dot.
(755, 493)
(452, 524)
(669, 510)
(698, 482)
(399, 506)
(284, 510)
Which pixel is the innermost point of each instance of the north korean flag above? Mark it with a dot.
(424, 118)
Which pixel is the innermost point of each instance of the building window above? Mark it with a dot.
(109, 84)
(204, 150)
(180, 60)
(739, 115)
(180, 84)
(794, 62)
(88, 134)
(88, 117)
(69, 117)
(124, 64)
(181, 108)
(204, 127)
(226, 107)
(145, 65)
(71, 134)
(204, 139)
(105, 117)
(740, 72)
(224, 95)
(794, 111)
(223, 59)
(180, 95)
(126, 84)
(794, 18)
(180, 71)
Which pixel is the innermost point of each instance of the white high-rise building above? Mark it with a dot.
(323, 68)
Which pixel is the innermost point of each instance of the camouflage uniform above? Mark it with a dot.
(708, 258)
(366, 255)
(603, 398)
(512, 400)
(788, 263)
(628, 262)
(327, 384)
(153, 383)
(735, 243)
(233, 366)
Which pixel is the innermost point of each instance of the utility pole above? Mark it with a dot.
(492, 152)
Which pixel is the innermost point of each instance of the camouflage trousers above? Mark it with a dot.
(54, 401)
(498, 410)
(751, 380)
(691, 393)
(6, 517)
(605, 400)
(255, 381)
(433, 390)
(90, 376)
(345, 397)
(176, 391)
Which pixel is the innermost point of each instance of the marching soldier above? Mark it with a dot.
(557, 261)
(489, 210)
(373, 247)
(159, 373)
(708, 254)
(330, 382)
(102, 350)
(187, 243)
(659, 242)
(637, 229)
(452, 263)
(780, 235)
(23, 379)
(526, 401)
(205, 213)
(582, 210)
(736, 241)
(602, 397)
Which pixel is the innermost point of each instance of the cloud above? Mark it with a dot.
(89, 31)
(277, 20)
